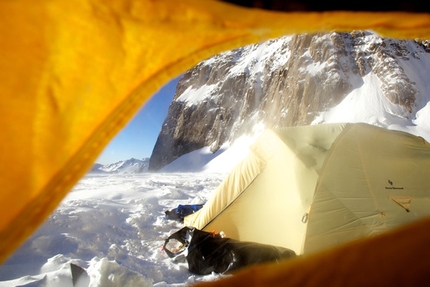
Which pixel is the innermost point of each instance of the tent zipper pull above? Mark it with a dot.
(305, 217)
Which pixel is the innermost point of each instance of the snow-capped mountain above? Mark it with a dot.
(298, 80)
(125, 166)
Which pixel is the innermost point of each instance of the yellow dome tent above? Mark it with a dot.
(311, 188)
(73, 73)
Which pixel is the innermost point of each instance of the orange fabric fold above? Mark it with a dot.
(74, 73)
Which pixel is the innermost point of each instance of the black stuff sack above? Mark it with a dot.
(207, 252)
(181, 211)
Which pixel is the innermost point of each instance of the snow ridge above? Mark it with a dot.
(125, 166)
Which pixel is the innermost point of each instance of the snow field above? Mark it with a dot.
(114, 227)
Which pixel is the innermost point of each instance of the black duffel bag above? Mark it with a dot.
(207, 252)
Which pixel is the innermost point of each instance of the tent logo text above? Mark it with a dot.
(392, 186)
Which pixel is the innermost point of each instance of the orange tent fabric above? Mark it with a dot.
(73, 73)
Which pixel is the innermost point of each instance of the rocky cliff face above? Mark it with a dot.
(282, 82)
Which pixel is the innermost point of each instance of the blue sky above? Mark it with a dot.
(138, 138)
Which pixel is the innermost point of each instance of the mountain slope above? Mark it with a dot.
(125, 166)
(297, 80)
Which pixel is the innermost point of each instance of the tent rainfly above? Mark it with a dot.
(310, 188)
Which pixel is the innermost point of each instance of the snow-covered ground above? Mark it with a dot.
(114, 226)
